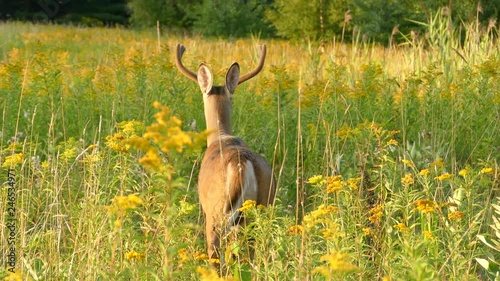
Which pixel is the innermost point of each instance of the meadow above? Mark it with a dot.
(386, 159)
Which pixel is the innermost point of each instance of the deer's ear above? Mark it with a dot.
(233, 77)
(205, 78)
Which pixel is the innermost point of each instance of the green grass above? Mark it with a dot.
(392, 122)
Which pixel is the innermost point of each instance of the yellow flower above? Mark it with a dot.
(425, 172)
(407, 180)
(247, 205)
(463, 172)
(392, 142)
(13, 276)
(211, 275)
(437, 165)
(183, 257)
(295, 229)
(425, 206)
(428, 235)
(151, 161)
(401, 227)
(124, 203)
(133, 255)
(335, 263)
(334, 183)
(376, 213)
(487, 171)
(456, 216)
(353, 183)
(443, 177)
(366, 231)
(317, 179)
(408, 162)
(201, 257)
(13, 160)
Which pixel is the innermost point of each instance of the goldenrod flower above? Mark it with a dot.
(151, 160)
(487, 171)
(366, 231)
(13, 276)
(317, 179)
(200, 257)
(13, 160)
(295, 229)
(428, 235)
(408, 162)
(425, 206)
(443, 177)
(183, 257)
(456, 216)
(133, 255)
(211, 275)
(392, 142)
(437, 165)
(407, 180)
(401, 227)
(334, 183)
(376, 213)
(463, 172)
(425, 172)
(353, 183)
(335, 263)
(247, 205)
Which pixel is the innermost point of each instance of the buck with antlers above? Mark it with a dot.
(230, 172)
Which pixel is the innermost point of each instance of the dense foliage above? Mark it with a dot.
(384, 21)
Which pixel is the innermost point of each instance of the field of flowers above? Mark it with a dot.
(386, 159)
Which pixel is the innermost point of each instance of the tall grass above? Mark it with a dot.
(386, 159)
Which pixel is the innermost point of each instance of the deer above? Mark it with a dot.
(230, 173)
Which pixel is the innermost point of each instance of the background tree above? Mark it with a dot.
(236, 18)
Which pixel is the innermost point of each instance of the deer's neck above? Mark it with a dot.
(218, 118)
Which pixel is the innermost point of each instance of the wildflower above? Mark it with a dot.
(295, 229)
(428, 235)
(376, 213)
(425, 206)
(133, 255)
(335, 262)
(437, 165)
(115, 142)
(200, 257)
(408, 162)
(247, 205)
(407, 180)
(392, 142)
(401, 227)
(185, 207)
(214, 261)
(425, 172)
(353, 183)
(211, 275)
(487, 171)
(463, 172)
(317, 216)
(366, 231)
(13, 276)
(317, 179)
(334, 183)
(456, 216)
(13, 160)
(127, 202)
(151, 160)
(443, 177)
(183, 257)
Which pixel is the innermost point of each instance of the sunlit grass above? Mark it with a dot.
(386, 159)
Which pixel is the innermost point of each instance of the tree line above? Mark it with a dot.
(291, 19)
